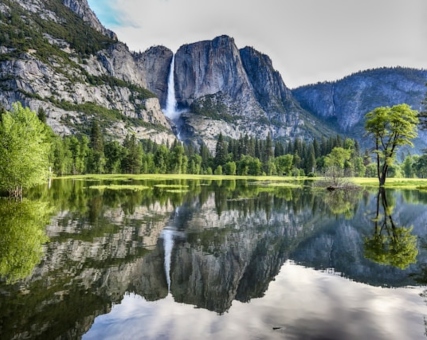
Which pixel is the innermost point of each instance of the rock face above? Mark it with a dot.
(210, 67)
(216, 80)
(155, 64)
(74, 86)
(345, 102)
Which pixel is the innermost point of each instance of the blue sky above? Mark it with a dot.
(308, 40)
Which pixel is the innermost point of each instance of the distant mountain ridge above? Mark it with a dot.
(345, 102)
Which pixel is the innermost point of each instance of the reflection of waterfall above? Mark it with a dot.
(168, 246)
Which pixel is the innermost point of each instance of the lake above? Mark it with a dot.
(199, 259)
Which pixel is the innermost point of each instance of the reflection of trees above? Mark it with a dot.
(390, 244)
(342, 202)
(22, 234)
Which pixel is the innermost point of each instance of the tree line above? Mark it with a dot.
(29, 148)
(244, 156)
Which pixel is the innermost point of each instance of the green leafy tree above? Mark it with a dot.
(230, 168)
(63, 161)
(408, 166)
(284, 164)
(420, 166)
(335, 162)
(218, 170)
(358, 167)
(24, 150)
(337, 157)
(390, 128)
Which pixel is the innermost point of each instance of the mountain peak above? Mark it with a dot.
(82, 9)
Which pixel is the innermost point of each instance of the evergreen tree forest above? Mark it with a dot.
(244, 156)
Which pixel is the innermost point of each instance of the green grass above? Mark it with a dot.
(393, 183)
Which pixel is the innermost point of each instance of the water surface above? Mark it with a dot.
(228, 259)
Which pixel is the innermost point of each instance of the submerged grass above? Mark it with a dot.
(177, 191)
(178, 186)
(120, 187)
(164, 177)
(274, 181)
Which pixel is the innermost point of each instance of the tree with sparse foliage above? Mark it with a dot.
(390, 128)
(24, 150)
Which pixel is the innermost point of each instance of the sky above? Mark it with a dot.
(315, 304)
(308, 40)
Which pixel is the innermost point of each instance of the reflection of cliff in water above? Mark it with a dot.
(239, 254)
(229, 244)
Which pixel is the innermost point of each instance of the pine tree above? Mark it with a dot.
(310, 160)
(97, 158)
(220, 151)
(268, 148)
(132, 161)
(206, 156)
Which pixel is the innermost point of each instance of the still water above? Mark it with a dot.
(213, 260)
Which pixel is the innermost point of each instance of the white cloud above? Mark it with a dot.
(303, 303)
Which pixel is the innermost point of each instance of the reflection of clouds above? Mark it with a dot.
(302, 302)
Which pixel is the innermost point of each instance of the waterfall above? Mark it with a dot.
(171, 110)
(168, 246)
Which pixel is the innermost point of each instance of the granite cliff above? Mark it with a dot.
(237, 92)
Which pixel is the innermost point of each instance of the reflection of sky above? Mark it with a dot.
(305, 304)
